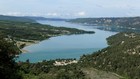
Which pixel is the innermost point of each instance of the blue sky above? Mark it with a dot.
(70, 8)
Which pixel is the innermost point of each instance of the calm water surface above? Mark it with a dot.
(66, 46)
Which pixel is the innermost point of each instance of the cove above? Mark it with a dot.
(66, 46)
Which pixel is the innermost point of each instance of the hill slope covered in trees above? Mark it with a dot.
(120, 24)
(121, 57)
(16, 18)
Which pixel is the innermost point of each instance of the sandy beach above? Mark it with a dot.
(19, 43)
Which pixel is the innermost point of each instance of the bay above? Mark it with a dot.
(66, 46)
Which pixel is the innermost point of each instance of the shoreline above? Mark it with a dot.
(25, 44)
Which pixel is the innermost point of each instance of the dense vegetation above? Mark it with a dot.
(122, 24)
(35, 31)
(43, 18)
(47, 70)
(16, 18)
(122, 56)
(9, 69)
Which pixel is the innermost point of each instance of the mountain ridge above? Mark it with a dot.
(120, 24)
(16, 18)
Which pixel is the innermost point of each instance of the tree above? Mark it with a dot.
(8, 67)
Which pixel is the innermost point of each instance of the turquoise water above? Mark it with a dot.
(66, 46)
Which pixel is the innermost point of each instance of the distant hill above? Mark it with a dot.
(35, 18)
(32, 19)
(114, 24)
(35, 31)
(43, 18)
(16, 18)
(121, 57)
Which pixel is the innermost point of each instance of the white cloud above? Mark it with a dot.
(52, 14)
(21, 14)
(30, 14)
(82, 13)
(13, 14)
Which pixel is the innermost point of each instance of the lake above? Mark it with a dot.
(66, 46)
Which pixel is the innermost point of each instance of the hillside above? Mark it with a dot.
(16, 18)
(26, 32)
(43, 18)
(48, 70)
(114, 24)
(121, 57)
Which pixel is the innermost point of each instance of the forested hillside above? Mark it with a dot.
(16, 18)
(43, 18)
(120, 24)
(9, 69)
(121, 57)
